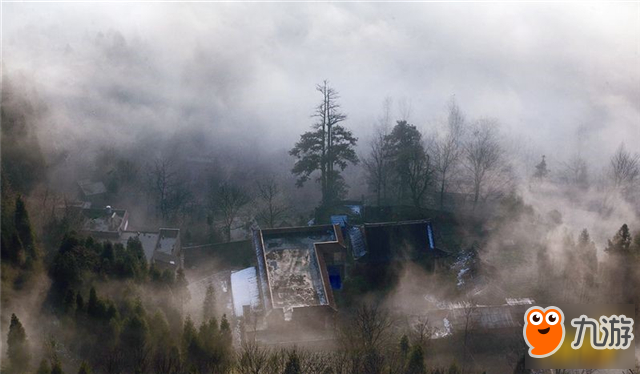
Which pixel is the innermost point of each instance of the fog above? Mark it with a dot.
(562, 77)
(221, 92)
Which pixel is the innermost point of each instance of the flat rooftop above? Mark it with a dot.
(168, 240)
(294, 275)
(147, 239)
(90, 188)
(103, 220)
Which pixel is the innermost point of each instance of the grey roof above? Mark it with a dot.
(90, 188)
(101, 220)
(167, 259)
(168, 240)
(488, 317)
(147, 239)
(358, 245)
(291, 268)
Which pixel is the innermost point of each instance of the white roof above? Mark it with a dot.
(244, 289)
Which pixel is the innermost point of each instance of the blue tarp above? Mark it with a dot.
(339, 220)
(334, 277)
(430, 235)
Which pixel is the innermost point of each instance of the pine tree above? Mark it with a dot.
(225, 334)
(67, 269)
(454, 369)
(407, 156)
(84, 368)
(415, 364)
(7, 208)
(181, 286)
(621, 241)
(209, 305)
(134, 332)
(44, 367)
(293, 364)
(635, 246)
(23, 228)
(17, 252)
(56, 367)
(160, 334)
(404, 345)
(541, 169)
(17, 347)
(209, 335)
(69, 301)
(93, 306)
(520, 367)
(588, 252)
(134, 341)
(79, 303)
(327, 149)
(188, 335)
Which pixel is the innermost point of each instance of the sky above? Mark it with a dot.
(563, 78)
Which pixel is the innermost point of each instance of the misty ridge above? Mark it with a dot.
(344, 188)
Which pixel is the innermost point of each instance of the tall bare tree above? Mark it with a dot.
(482, 155)
(252, 359)
(470, 315)
(422, 331)
(169, 189)
(328, 146)
(226, 201)
(419, 175)
(405, 109)
(376, 164)
(365, 334)
(448, 150)
(273, 208)
(575, 173)
(624, 169)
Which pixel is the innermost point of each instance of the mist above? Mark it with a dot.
(243, 74)
(193, 117)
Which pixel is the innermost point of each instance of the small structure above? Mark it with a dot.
(106, 223)
(94, 192)
(168, 253)
(160, 248)
(208, 258)
(393, 241)
(456, 317)
(292, 287)
(352, 209)
(148, 239)
(245, 291)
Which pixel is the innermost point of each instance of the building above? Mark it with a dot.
(393, 241)
(94, 192)
(208, 258)
(352, 209)
(289, 295)
(148, 239)
(104, 223)
(457, 317)
(162, 248)
(168, 252)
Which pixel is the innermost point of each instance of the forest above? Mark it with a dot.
(515, 220)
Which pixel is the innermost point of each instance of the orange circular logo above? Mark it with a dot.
(543, 330)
